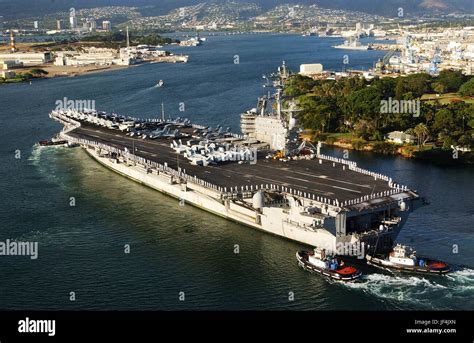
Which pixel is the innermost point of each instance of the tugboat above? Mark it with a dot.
(53, 142)
(403, 259)
(327, 265)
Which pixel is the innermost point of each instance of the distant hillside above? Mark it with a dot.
(28, 8)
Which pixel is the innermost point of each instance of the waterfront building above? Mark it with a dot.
(9, 64)
(95, 56)
(400, 137)
(311, 69)
(27, 58)
(435, 51)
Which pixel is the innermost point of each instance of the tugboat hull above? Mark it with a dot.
(341, 274)
(53, 143)
(430, 267)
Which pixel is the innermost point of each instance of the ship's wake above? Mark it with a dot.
(453, 291)
(35, 156)
(44, 160)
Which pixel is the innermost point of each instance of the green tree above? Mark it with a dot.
(38, 72)
(450, 80)
(422, 134)
(365, 104)
(399, 89)
(467, 88)
(466, 141)
(418, 84)
(364, 129)
(438, 87)
(444, 120)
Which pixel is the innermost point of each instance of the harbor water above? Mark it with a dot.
(181, 257)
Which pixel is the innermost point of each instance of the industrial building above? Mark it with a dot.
(94, 56)
(27, 58)
(311, 69)
(7, 74)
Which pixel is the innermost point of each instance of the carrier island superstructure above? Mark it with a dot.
(265, 179)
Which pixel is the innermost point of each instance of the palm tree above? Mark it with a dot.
(422, 133)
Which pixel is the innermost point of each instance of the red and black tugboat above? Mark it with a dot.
(327, 265)
(403, 259)
(51, 143)
(55, 141)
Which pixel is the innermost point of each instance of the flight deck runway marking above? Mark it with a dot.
(323, 177)
(313, 190)
(346, 189)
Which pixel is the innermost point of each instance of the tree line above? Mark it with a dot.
(353, 105)
(120, 38)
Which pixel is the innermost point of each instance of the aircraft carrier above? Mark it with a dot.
(265, 178)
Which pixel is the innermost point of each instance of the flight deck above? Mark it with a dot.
(319, 177)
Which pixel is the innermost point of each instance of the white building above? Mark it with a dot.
(27, 58)
(94, 56)
(311, 69)
(106, 25)
(400, 137)
(9, 64)
(90, 56)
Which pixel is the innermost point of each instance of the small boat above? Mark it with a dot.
(327, 265)
(403, 259)
(160, 83)
(53, 143)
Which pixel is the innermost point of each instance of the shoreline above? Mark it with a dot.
(59, 71)
(434, 155)
(54, 71)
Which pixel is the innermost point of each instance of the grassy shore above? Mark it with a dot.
(446, 98)
(52, 71)
(428, 152)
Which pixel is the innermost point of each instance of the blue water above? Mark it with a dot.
(183, 249)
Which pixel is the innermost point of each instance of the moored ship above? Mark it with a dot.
(353, 44)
